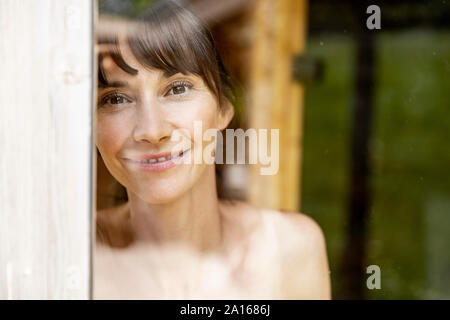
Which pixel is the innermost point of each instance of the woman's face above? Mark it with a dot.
(136, 117)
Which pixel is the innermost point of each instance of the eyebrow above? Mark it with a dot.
(113, 84)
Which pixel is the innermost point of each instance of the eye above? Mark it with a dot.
(115, 99)
(179, 88)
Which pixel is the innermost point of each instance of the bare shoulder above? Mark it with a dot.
(306, 272)
(303, 229)
(301, 252)
(289, 227)
(297, 234)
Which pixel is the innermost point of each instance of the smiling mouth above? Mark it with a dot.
(160, 159)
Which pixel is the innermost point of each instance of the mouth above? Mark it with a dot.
(158, 162)
(163, 158)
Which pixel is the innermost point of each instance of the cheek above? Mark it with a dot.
(111, 132)
(203, 109)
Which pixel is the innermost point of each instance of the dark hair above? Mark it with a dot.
(170, 37)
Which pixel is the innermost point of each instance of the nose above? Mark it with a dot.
(152, 125)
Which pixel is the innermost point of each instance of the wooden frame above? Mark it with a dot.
(46, 166)
(279, 29)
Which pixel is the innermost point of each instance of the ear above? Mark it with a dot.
(226, 113)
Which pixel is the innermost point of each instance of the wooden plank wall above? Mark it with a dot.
(46, 161)
(276, 101)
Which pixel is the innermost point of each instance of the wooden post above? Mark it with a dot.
(46, 162)
(276, 99)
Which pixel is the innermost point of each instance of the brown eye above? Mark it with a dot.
(115, 99)
(179, 89)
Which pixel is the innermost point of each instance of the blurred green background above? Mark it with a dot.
(409, 226)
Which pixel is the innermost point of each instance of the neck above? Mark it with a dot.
(193, 218)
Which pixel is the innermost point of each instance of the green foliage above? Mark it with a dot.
(141, 5)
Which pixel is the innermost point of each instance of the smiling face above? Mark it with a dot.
(137, 115)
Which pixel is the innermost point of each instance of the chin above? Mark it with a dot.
(161, 190)
(161, 193)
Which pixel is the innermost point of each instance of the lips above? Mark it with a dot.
(157, 162)
(160, 157)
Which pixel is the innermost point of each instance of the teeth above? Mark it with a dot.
(160, 159)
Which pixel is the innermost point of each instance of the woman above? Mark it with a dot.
(174, 238)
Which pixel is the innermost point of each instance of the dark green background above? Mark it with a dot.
(409, 227)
